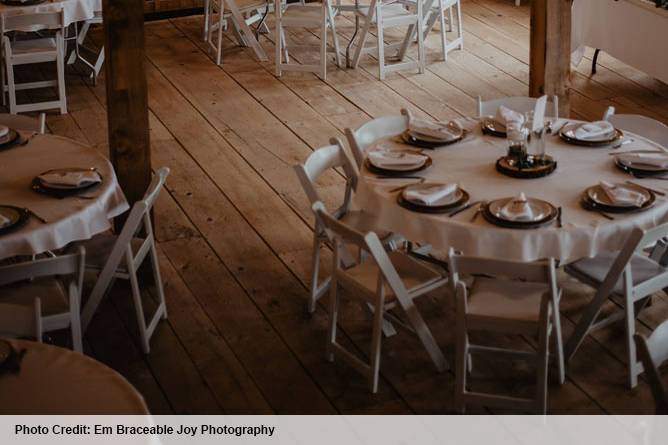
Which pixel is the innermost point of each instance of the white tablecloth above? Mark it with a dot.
(74, 10)
(54, 380)
(69, 219)
(633, 31)
(471, 163)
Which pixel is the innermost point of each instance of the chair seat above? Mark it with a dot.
(363, 222)
(389, 11)
(413, 273)
(53, 296)
(99, 247)
(506, 299)
(34, 46)
(642, 269)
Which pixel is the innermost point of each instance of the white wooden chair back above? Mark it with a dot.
(323, 159)
(70, 264)
(24, 123)
(521, 104)
(380, 128)
(643, 126)
(653, 353)
(19, 321)
(34, 21)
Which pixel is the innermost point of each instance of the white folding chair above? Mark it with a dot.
(95, 65)
(321, 160)
(21, 320)
(295, 15)
(384, 281)
(506, 297)
(34, 50)
(653, 352)
(520, 104)
(24, 123)
(632, 274)
(435, 10)
(120, 256)
(49, 291)
(242, 14)
(380, 15)
(366, 135)
(641, 125)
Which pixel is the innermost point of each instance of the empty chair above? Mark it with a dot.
(120, 256)
(653, 352)
(381, 15)
(641, 125)
(241, 14)
(49, 292)
(94, 64)
(366, 135)
(520, 104)
(322, 160)
(506, 297)
(385, 281)
(34, 50)
(631, 274)
(295, 15)
(437, 12)
(21, 320)
(24, 123)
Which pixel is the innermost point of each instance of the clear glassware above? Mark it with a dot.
(535, 140)
(517, 135)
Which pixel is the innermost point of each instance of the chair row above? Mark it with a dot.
(46, 294)
(384, 275)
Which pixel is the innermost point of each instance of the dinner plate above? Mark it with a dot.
(390, 172)
(638, 166)
(492, 127)
(19, 3)
(568, 135)
(9, 140)
(422, 141)
(63, 191)
(64, 171)
(541, 209)
(422, 208)
(589, 204)
(597, 195)
(16, 215)
(447, 200)
(401, 168)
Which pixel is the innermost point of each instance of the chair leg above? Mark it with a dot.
(630, 344)
(595, 61)
(157, 277)
(381, 46)
(460, 28)
(542, 366)
(335, 38)
(333, 315)
(315, 269)
(60, 66)
(323, 49)
(461, 363)
(362, 41)
(139, 310)
(451, 18)
(425, 336)
(421, 62)
(558, 345)
(376, 339)
(11, 85)
(219, 41)
(444, 38)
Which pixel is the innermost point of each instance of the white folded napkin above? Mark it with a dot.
(70, 179)
(518, 209)
(385, 158)
(4, 131)
(429, 194)
(594, 131)
(505, 115)
(659, 160)
(436, 130)
(620, 195)
(4, 221)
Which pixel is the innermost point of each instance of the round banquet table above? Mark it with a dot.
(53, 380)
(471, 163)
(73, 10)
(69, 219)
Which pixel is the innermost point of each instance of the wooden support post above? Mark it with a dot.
(550, 56)
(127, 97)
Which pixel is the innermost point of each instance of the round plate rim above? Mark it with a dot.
(619, 134)
(381, 171)
(459, 189)
(23, 218)
(552, 214)
(415, 142)
(592, 187)
(628, 168)
(408, 205)
(490, 131)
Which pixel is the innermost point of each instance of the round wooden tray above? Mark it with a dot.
(545, 167)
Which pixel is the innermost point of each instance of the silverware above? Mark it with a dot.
(641, 176)
(461, 209)
(479, 211)
(657, 192)
(617, 153)
(559, 223)
(558, 130)
(603, 214)
(619, 144)
(43, 220)
(397, 177)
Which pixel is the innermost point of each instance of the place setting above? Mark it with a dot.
(496, 125)
(591, 134)
(521, 212)
(22, 2)
(9, 138)
(429, 134)
(66, 182)
(431, 197)
(12, 218)
(643, 163)
(606, 197)
(386, 161)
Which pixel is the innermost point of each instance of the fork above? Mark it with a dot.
(39, 218)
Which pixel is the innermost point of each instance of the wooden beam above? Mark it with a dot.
(127, 98)
(550, 55)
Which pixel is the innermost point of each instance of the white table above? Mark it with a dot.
(471, 163)
(73, 10)
(54, 380)
(633, 31)
(69, 219)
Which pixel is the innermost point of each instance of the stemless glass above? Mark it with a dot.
(536, 142)
(517, 135)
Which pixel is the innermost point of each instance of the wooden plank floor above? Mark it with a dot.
(234, 227)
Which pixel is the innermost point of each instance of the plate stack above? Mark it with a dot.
(643, 163)
(591, 134)
(617, 198)
(433, 198)
(520, 212)
(425, 134)
(396, 163)
(64, 182)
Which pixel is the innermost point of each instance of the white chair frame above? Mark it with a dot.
(323, 19)
(363, 137)
(48, 20)
(434, 10)
(19, 321)
(641, 125)
(520, 104)
(633, 293)
(124, 261)
(547, 327)
(375, 18)
(340, 235)
(95, 65)
(653, 352)
(70, 268)
(24, 123)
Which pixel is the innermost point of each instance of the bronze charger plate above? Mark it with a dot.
(385, 172)
(545, 221)
(493, 128)
(416, 207)
(16, 215)
(11, 139)
(589, 204)
(58, 192)
(567, 135)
